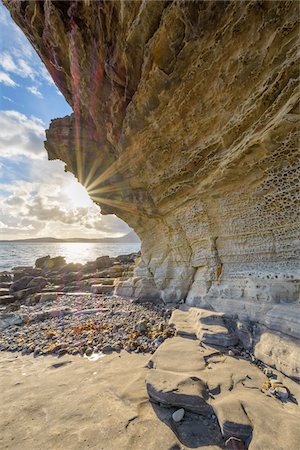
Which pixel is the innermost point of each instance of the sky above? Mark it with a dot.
(37, 198)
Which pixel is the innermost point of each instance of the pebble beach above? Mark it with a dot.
(53, 309)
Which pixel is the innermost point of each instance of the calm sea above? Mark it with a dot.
(14, 254)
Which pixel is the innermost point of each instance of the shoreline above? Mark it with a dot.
(58, 308)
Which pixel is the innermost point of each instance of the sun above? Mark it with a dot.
(77, 195)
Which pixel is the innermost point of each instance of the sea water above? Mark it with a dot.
(14, 254)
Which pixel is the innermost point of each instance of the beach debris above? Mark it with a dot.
(178, 415)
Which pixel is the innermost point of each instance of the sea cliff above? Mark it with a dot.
(185, 125)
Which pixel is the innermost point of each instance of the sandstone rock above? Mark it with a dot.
(177, 390)
(234, 444)
(42, 262)
(38, 282)
(24, 293)
(5, 284)
(20, 284)
(46, 297)
(5, 277)
(8, 319)
(128, 259)
(279, 351)
(101, 289)
(195, 113)
(233, 419)
(103, 262)
(4, 292)
(6, 299)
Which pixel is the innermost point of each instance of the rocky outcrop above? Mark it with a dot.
(185, 122)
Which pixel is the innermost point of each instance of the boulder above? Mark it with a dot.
(47, 263)
(20, 284)
(103, 262)
(22, 294)
(41, 262)
(38, 282)
(5, 277)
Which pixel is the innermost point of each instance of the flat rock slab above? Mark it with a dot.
(49, 296)
(6, 299)
(216, 335)
(233, 419)
(179, 355)
(184, 324)
(4, 291)
(177, 390)
(101, 289)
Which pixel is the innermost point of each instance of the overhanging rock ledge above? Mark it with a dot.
(185, 125)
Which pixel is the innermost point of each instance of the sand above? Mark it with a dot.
(72, 403)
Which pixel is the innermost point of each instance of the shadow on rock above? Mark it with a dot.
(193, 430)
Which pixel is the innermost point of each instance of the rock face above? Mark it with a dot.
(184, 125)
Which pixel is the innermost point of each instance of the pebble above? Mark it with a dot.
(282, 392)
(89, 351)
(178, 415)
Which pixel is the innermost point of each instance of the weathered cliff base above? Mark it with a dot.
(185, 125)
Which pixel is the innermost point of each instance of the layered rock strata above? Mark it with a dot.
(185, 126)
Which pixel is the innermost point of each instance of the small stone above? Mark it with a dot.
(178, 415)
(107, 349)
(89, 351)
(231, 353)
(141, 327)
(150, 364)
(268, 372)
(282, 392)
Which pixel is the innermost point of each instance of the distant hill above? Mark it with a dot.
(130, 238)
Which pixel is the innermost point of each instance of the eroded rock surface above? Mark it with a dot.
(185, 123)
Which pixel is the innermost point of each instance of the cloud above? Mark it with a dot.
(20, 135)
(34, 90)
(8, 99)
(50, 202)
(5, 79)
(7, 62)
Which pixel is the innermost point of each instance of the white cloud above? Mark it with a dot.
(7, 62)
(16, 65)
(46, 207)
(50, 203)
(34, 90)
(20, 135)
(25, 70)
(5, 79)
(8, 99)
